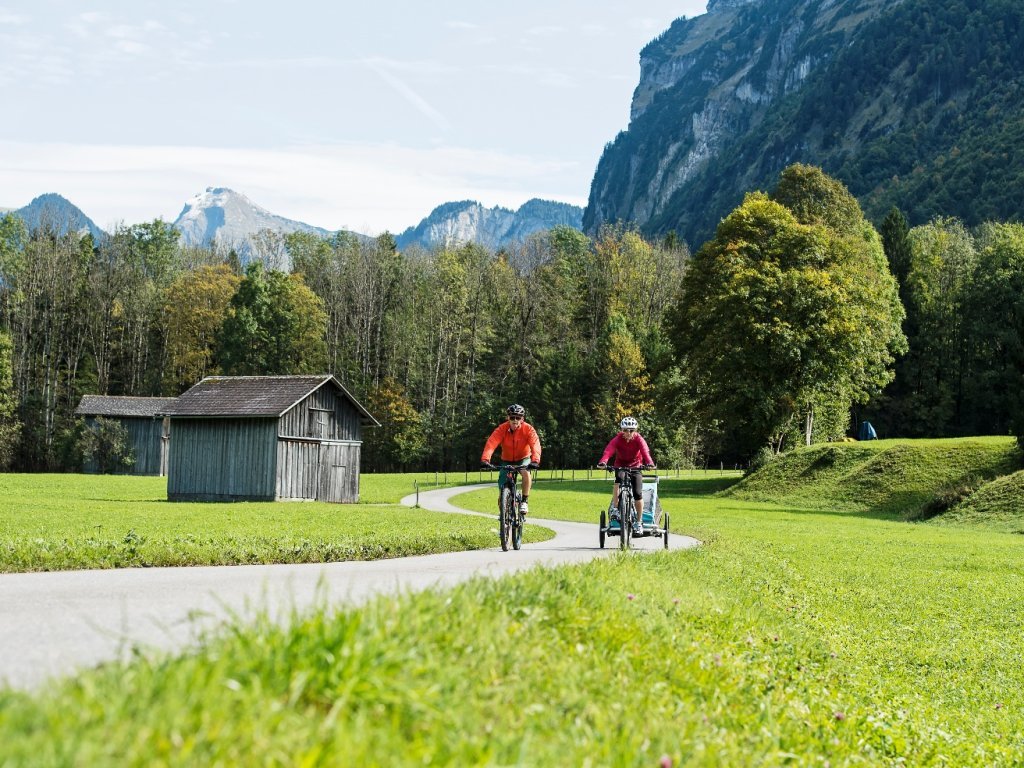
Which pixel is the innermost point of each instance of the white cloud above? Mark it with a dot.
(12, 18)
(364, 187)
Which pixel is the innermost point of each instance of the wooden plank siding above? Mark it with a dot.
(223, 460)
(272, 437)
(145, 435)
(320, 470)
(325, 414)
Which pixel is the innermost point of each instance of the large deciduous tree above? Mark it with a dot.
(195, 307)
(787, 310)
(275, 326)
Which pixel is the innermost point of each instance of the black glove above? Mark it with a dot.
(487, 465)
(649, 466)
(602, 465)
(533, 465)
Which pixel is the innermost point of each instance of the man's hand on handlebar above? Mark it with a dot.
(487, 465)
(602, 465)
(649, 466)
(533, 465)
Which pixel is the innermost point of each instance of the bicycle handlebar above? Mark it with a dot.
(641, 468)
(489, 465)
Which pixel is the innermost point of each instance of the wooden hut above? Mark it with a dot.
(266, 438)
(147, 429)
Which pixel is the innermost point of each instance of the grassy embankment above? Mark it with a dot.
(793, 636)
(63, 522)
(909, 479)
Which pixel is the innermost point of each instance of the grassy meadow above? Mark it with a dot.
(793, 636)
(65, 522)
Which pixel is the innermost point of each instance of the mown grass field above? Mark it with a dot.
(792, 637)
(64, 522)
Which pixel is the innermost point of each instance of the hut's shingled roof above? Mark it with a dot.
(253, 396)
(112, 405)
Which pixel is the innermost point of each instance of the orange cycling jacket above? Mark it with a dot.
(515, 445)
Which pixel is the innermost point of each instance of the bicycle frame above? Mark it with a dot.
(510, 519)
(624, 506)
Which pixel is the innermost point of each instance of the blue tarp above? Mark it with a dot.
(867, 432)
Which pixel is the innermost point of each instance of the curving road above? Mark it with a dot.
(52, 624)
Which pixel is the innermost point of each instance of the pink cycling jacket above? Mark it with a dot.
(627, 453)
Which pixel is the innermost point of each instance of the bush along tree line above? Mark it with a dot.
(795, 315)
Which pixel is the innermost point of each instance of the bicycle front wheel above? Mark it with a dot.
(625, 520)
(505, 504)
(517, 527)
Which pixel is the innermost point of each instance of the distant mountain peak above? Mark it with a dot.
(57, 214)
(232, 220)
(467, 221)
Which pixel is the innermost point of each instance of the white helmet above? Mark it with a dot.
(628, 423)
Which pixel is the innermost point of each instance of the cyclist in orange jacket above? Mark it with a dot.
(519, 444)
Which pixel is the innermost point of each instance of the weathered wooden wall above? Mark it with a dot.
(325, 414)
(146, 437)
(222, 459)
(315, 469)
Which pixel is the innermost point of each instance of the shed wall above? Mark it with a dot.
(146, 437)
(315, 469)
(222, 459)
(325, 414)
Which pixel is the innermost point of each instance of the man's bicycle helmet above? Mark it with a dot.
(628, 423)
(515, 410)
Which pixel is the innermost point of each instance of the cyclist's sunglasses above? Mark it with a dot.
(515, 418)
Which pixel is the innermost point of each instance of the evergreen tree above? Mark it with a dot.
(896, 242)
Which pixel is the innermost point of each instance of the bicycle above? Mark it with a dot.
(628, 525)
(510, 519)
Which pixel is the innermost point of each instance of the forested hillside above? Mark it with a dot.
(795, 312)
(435, 345)
(918, 104)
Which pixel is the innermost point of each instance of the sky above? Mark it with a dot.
(355, 115)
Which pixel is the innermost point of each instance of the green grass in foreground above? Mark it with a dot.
(790, 638)
(882, 477)
(63, 522)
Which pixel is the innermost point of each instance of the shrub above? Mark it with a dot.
(948, 497)
(760, 459)
(107, 443)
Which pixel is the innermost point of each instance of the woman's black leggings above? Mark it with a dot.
(633, 477)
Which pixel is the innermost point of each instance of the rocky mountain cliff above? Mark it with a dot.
(57, 214)
(232, 220)
(467, 221)
(910, 102)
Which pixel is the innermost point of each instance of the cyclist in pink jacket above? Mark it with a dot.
(628, 452)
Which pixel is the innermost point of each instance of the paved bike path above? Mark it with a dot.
(52, 624)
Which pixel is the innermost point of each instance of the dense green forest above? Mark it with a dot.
(795, 315)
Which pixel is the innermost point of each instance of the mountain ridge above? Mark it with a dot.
(915, 103)
(57, 214)
(223, 217)
(455, 223)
